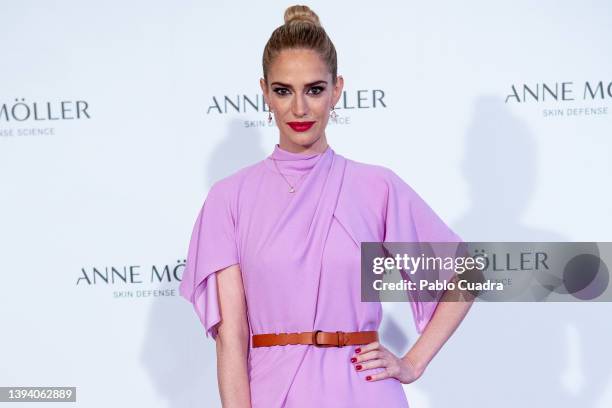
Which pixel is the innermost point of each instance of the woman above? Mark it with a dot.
(273, 268)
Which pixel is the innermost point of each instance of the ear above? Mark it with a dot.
(264, 89)
(337, 91)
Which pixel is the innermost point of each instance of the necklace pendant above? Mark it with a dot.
(292, 190)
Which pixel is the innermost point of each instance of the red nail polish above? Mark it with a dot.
(358, 366)
(353, 360)
(358, 350)
(368, 378)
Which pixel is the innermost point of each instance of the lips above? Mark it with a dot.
(301, 126)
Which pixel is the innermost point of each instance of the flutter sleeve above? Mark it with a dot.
(409, 219)
(212, 248)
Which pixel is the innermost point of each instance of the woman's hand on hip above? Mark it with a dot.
(375, 355)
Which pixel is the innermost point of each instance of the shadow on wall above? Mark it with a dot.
(179, 358)
(508, 355)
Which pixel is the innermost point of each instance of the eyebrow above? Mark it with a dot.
(289, 86)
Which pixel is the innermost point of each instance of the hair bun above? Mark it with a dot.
(301, 13)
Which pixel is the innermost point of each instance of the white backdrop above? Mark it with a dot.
(111, 169)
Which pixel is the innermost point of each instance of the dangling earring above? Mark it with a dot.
(269, 116)
(334, 115)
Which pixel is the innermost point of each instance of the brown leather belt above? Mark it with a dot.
(317, 338)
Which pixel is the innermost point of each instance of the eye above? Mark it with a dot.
(316, 90)
(281, 91)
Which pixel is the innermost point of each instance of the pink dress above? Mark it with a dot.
(299, 255)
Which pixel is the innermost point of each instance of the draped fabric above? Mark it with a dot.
(299, 256)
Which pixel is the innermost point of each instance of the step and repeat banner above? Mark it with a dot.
(117, 117)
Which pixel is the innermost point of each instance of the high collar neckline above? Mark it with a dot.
(294, 163)
(282, 154)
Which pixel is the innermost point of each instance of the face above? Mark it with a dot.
(300, 92)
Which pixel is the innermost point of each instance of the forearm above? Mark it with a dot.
(445, 320)
(232, 371)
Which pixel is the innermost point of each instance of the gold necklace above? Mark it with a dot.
(291, 188)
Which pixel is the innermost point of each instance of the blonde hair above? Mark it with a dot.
(302, 29)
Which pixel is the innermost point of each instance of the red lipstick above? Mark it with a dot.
(301, 126)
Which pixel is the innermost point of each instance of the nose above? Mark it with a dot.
(300, 106)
